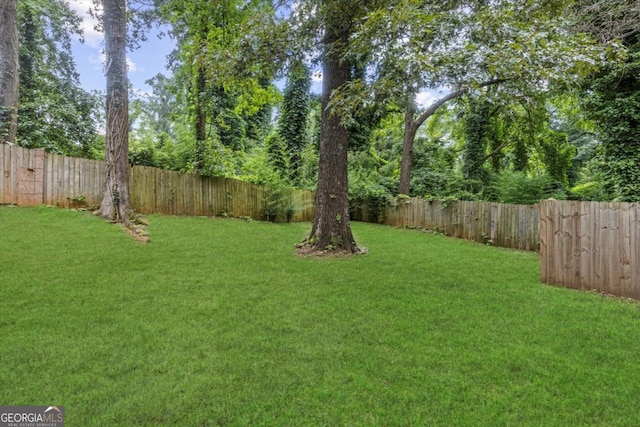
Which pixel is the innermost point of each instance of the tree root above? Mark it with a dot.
(309, 250)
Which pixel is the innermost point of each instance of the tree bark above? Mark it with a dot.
(116, 204)
(331, 226)
(410, 130)
(9, 71)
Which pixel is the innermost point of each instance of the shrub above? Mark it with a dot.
(520, 188)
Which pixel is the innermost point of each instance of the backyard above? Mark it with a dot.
(218, 322)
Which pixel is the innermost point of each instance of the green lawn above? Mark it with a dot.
(218, 322)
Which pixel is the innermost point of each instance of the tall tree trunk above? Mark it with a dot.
(331, 226)
(116, 204)
(410, 129)
(9, 71)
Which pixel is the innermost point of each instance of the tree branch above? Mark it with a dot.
(437, 104)
(494, 152)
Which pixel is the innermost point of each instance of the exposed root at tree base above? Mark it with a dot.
(136, 228)
(138, 232)
(308, 250)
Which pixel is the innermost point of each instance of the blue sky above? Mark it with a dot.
(144, 63)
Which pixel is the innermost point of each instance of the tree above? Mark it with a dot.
(54, 112)
(116, 204)
(614, 103)
(307, 25)
(331, 228)
(461, 46)
(9, 70)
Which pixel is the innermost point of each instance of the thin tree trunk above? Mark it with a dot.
(331, 227)
(201, 121)
(9, 71)
(116, 204)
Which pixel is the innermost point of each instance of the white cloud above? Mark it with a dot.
(426, 98)
(92, 37)
(132, 66)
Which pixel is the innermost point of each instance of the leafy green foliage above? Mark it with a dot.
(294, 118)
(229, 53)
(278, 154)
(614, 103)
(228, 108)
(54, 112)
(434, 169)
(520, 188)
(476, 124)
(558, 156)
(278, 191)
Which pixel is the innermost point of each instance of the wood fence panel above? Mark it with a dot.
(584, 247)
(544, 242)
(634, 250)
(8, 175)
(591, 246)
(613, 237)
(17, 160)
(625, 247)
(73, 182)
(64, 184)
(605, 245)
(597, 278)
(5, 175)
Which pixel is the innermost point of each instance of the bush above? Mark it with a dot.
(589, 191)
(368, 188)
(278, 196)
(520, 188)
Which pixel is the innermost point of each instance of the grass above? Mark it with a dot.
(218, 322)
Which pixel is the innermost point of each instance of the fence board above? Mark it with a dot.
(634, 250)
(625, 246)
(6, 192)
(584, 247)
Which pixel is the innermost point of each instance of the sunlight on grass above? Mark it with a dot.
(218, 322)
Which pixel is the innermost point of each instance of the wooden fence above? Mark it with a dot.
(509, 226)
(591, 246)
(33, 177)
